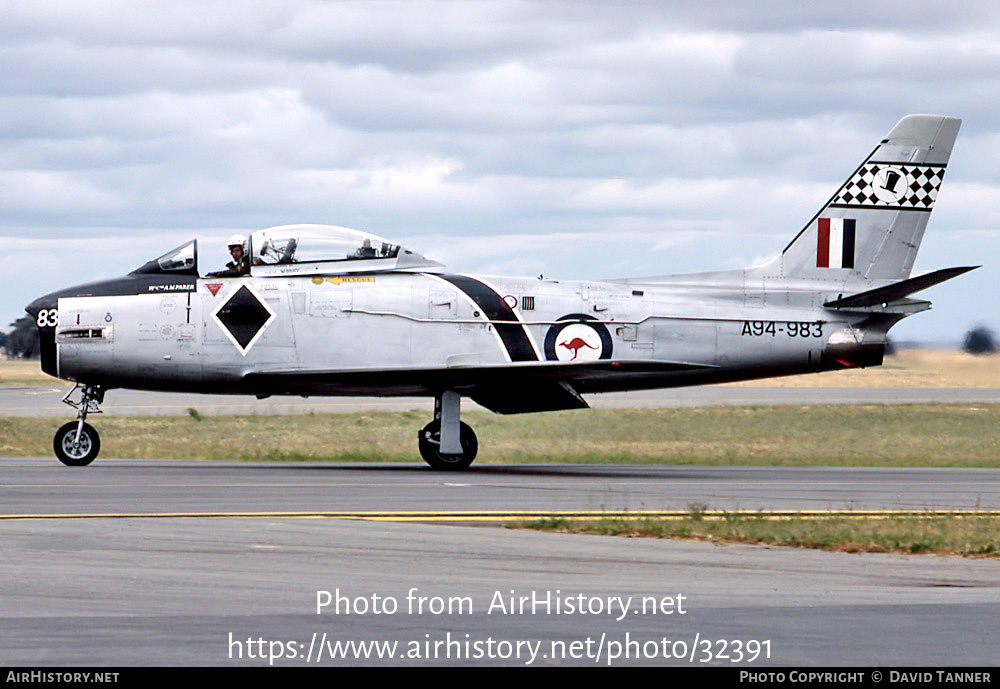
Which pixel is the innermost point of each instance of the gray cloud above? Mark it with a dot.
(577, 138)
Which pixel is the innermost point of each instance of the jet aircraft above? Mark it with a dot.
(323, 310)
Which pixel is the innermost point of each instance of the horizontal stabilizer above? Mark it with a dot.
(897, 290)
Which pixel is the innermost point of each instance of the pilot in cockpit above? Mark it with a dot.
(366, 250)
(240, 265)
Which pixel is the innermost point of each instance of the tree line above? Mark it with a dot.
(22, 342)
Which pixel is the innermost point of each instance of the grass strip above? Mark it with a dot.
(969, 536)
(26, 372)
(917, 435)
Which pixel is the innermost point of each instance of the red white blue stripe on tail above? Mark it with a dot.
(835, 244)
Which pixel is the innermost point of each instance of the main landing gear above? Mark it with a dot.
(77, 443)
(446, 443)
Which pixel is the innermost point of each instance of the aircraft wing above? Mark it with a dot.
(506, 389)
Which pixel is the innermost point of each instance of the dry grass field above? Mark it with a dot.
(22, 372)
(909, 368)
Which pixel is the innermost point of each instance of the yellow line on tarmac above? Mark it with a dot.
(509, 515)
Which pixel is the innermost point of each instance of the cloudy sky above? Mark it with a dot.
(582, 139)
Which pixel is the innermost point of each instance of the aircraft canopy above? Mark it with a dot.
(298, 249)
(180, 261)
(303, 250)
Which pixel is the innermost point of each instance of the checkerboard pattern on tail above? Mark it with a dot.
(884, 185)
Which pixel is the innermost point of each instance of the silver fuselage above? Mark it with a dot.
(403, 324)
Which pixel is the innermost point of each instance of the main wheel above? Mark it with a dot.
(430, 447)
(74, 454)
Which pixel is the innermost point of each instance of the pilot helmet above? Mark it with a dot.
(236, 240)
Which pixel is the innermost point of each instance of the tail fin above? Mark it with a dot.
(872, 227)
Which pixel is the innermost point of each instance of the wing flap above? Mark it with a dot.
(533, 397)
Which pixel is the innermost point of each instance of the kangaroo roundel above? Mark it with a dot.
(578, 342)
(579, 338)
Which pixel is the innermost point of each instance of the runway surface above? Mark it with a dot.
(116, 486)
(45, 401)
(121, 590)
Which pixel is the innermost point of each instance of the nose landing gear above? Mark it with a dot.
(446, 443)
(77, 443)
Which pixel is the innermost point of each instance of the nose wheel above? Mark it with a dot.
(447, 443)
(77, 443)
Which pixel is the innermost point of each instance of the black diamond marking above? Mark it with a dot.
(243, 316)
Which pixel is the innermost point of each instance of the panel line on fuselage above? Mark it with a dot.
(513, 336)
(483, 318)
(517, 314)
